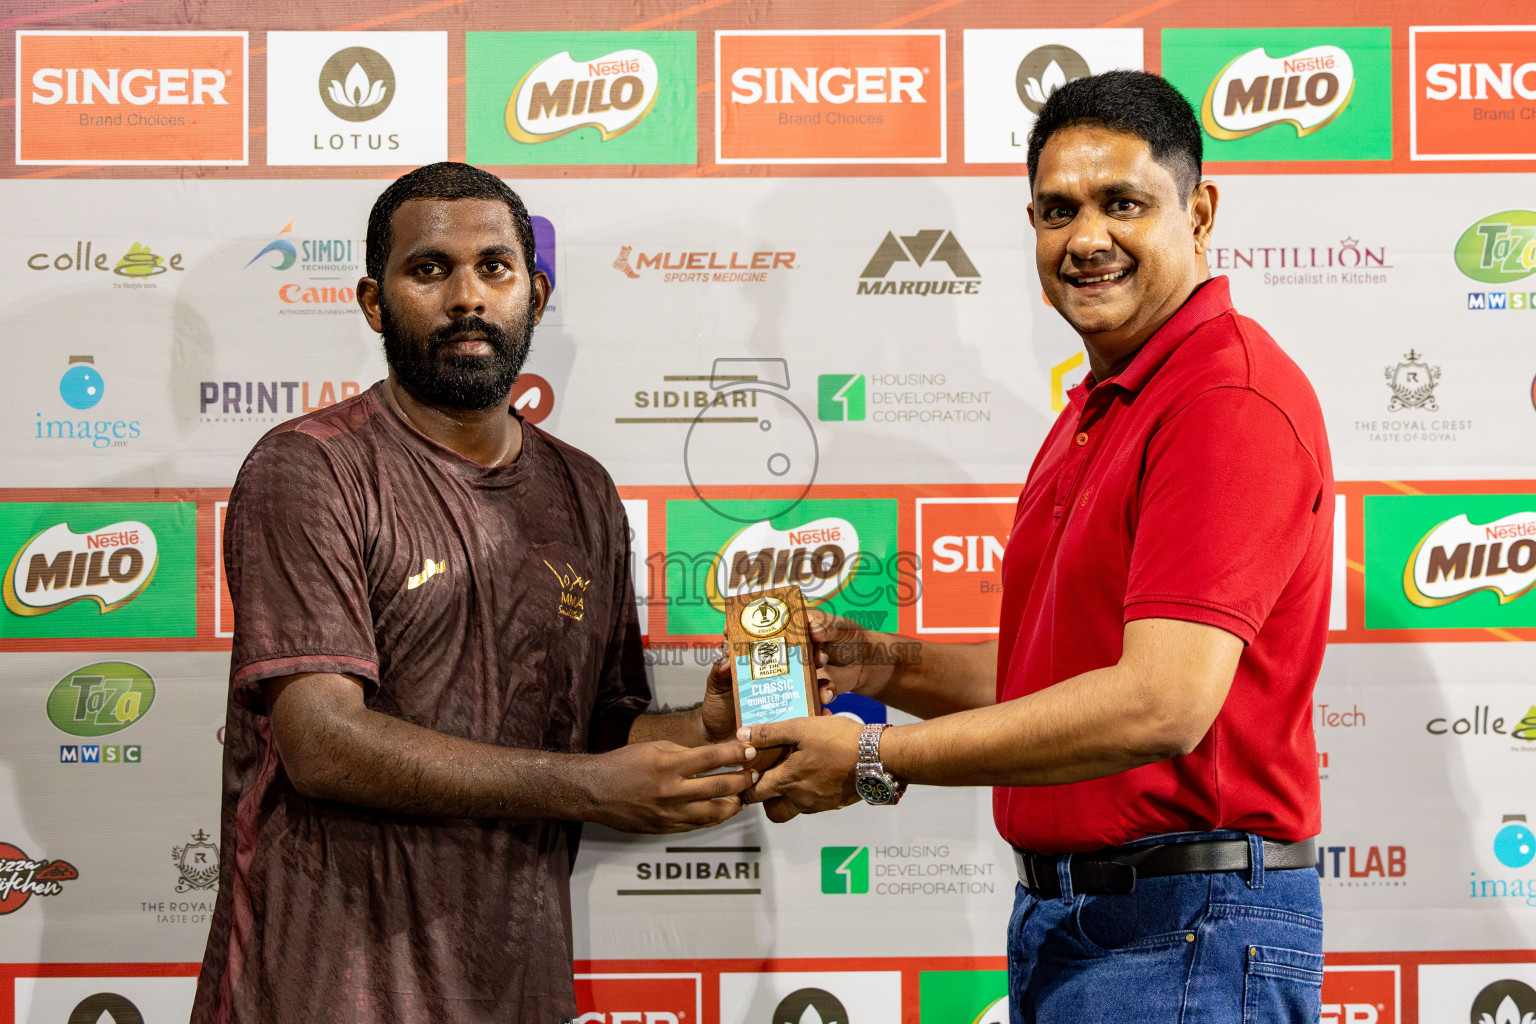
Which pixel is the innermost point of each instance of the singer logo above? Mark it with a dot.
(1256, 91)
(131, 98)
(611, 93)
(110, 566)
(1472, 91)
(829, 97)
(962, 541)
(1458, 558)
(638, 999)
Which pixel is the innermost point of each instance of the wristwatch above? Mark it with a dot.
(874, 783)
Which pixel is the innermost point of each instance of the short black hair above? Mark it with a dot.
(1133, 102)
(445, 180)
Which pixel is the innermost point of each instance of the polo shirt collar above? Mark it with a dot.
(1209, 300)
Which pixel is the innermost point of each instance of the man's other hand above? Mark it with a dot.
(817, 774)
(652, 787)
(718, 712)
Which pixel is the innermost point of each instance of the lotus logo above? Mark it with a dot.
(819, 557)
(357, 84)
(1307, 90)
(612, 93)
(58, 567)
(1044, 70)
(1505, 1002)
(1459, 557)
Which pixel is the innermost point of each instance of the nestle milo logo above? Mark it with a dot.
(1500, 248)
(1458, 558)
(819, 556)
(100, 699)
(57, 567)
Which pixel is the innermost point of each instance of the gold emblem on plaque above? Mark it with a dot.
(765, 616)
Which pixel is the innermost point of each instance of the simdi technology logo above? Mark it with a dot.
(131, 97)
(581, 98)
(1472, 90)
(1286, 94)
(829, 97)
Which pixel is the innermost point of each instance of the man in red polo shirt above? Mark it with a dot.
(1145, 716)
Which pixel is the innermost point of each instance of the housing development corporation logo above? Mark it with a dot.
(924, 251)
(1472, 88)
(21, 878)
(836, 96)
(1286, 94)
(907, 871)
(349, 98)
(581, 97)
(131, 97)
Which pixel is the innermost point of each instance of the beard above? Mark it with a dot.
(453, 381)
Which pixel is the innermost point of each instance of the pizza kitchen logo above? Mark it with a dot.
(1306, 90)
(1458, 558)
(59, 567)
(21, 877)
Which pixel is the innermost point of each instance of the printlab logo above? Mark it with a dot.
(930, 247)
(1505, 1002)
(105, 1008)
(357, 84)
(840, 397)
(1287, 94)
(1363, 866)
(1412, 383)
(810, 1006)
(21, 877)
(101, 699)
(845, 870)
(197, 863)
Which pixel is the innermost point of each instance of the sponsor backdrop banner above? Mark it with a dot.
(796, 316)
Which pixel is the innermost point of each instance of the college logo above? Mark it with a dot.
(829, 97)
(963, 997)
(1412, 382)
(99, 569)
(1472, 88)
(131, 97)
(962, 541)
(101, 699)
(21, 877)
(638, 999)
(581, 97)
(1359, 995)
(351, 98)
(1010, 73)
(137, 264)
(704, 266)
(197, 863)
(932, 246)
(1287, 94)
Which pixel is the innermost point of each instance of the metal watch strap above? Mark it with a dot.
(869, 742)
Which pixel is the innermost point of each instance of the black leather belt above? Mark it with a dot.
(1114, 872)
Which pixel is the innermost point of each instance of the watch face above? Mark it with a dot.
(873, 789)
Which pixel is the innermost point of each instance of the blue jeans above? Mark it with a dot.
(1239, 946)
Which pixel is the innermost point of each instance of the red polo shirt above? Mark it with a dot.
(1196, 485)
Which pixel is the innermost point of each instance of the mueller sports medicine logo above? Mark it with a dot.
(1472, 92)
(829, 97)
(21, 877)
(131, 97)
(612, 93)
(703, 266)
(1306, 90)
(1458, 558)
(58, 567)
(929, 247)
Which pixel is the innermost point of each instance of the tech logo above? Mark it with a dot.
(1472, 90)
(131, 97)
(639, 999)
(961, 542)
(831, 97)
(1360, 995)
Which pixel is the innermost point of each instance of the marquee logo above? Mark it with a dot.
(58, 567)
(1458, 558)
(1306, 90)
(1472, 88)
(21, 877)
(829, 97)
(357, 84)
(932, 246)
(1500, 248)
(611, 93)
(101, 699)
(131, 97)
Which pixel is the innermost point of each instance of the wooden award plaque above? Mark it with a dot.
(768, 638)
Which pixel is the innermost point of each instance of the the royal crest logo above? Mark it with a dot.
(573, 591)
(58, 567)
(21, 877)
(197, 862)
(1413, 384)
(1458, 558)
(1306, 90)
(612, 93)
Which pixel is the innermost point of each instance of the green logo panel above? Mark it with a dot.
(840, 397)
(1394, 526)
(962, 997)
(167, 605)
(696, 534)
(1194, 59)
(581, 98)
(845, 870)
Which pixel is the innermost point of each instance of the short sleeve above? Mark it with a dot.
(623, 690)
(1229, 501)
(294, 557)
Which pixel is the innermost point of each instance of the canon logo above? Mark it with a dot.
(1475, 81)
(136, 86)
(662, 1017)
(834, 85)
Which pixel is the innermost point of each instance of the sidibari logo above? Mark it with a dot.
(1457, 558)
(357, 84)
(930, 246)
(58, 567)
(612, 93)
(21, 877)
(1500, 248)
(819, 556)
(101, 699)
(1306, 90)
